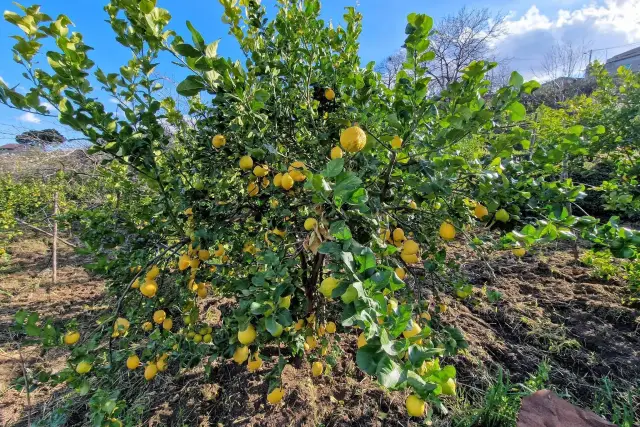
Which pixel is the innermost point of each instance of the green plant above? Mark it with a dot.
(615, 405)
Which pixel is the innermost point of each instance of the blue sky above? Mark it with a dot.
(533, 26)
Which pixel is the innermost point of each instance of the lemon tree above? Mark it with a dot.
(294, 182)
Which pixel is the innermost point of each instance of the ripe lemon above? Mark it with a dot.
(425, 316)
(277, 180)
(410, 247)
(253, 189)
(203, 254)
(327, 286)
(246, 163)
(413, 205)
(159, 316)
(260, 171)
(161, 364)
(254, 363)
(447, 231)
(150, 371)
(83, 367)
(362, 341)
(296, 165)
(398, 234)
(147, 326)
(336, 153)
(480, 211)
(286, 182)
(167, 324)
(415, 330)
(297, 175)
(194, 263)
(188, 211)
(400, 272)
(149, 289)
(409, 258)
(310, 224)
(285, 302)
(218, 141)
(248, 335)
(299, 325)
(353, 139)
(241, 354)
(449, 387)
(502, 215)
(136, 284)
(316, 369)
(153, 273)
(392, 305)
(120, 326)
(184, 262)
(71, 337)
(519, 252)
(396, 142)
(415, 406)
(275, 396)
(265, 182)
(329, 94)
(220, 251)
(330, 328)
(133, 362)
(311, 342)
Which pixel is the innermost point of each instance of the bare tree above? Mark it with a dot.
(561, 70)
(391, 66)
(459, 39)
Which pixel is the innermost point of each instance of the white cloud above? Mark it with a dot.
(599, 24)
(29, 118)
(114, 101)
(50, 108)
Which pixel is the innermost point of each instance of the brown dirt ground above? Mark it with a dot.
(552, 309)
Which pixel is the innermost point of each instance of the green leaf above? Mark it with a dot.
(334, 168)
(146, 6)
(212, 49)
(340, 230)
(517, 111)
(367, 360)
(516, 80)
(388, 372)
(20, 316)
(190, 86)
(187, 50)
(197, 38)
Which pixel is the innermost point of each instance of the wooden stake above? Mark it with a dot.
(55, 238)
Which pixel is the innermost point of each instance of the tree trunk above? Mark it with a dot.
(54, 258)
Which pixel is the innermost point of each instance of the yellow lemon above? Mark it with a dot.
(410, 247)
(519, 252)
(184, 262)
(362, 341)
(297, 175)
(329, 94)
(409, 258)
(136, 284)
(277, 180)
(311, 342)
(149, 289)
(253, 189)
(275, 396)
(415, 406)
(480, 211)
(330, 328)
(415, 330)
(150, 371)
(449, 387)
(400, 272)
(398, 234)
(413, 205)
(188, 211)
(316, 369)
(153, 273)
(260, 171)
(159, 316)
(336, 153)
(353, 139)
(203, 254)
(121, 325)
(255, 363)
(265, 182)
(327, 286)
(396, 142)
(167, 324)
(133, 362)
(286, 182)
(296, 165)
(447, 231)
(218, 141)
(310, 224)
(220, 251)
(147, 326)
(83, 367)
(246, 163)
(241, 354)
(248, 335)
(71, 337)
(425, 316)
(299, 325)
